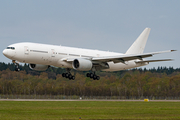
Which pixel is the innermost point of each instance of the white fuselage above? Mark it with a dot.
(44, 54)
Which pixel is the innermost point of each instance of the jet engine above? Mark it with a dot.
(38, 67)
(82, 64)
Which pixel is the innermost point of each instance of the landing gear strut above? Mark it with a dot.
(16, 66)
(92, 76)
(68, 75)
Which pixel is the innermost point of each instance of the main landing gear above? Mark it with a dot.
(16, 66)
(92, 76)
(68, 75)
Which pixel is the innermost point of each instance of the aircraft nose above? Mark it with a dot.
(9, 53)
(5, 52)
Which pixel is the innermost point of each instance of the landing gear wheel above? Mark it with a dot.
(88, 75)
(63, 75)
(94, 77)
(68, 75)
(97, 77)
(73, 77)
(91, 75)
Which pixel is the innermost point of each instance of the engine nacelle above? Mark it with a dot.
(38, 67)
(82, 64)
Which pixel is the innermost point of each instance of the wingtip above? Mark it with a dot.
(173, 50)
(170, 59)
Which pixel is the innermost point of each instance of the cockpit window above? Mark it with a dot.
(12, 48)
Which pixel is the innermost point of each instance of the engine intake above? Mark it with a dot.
(38, 67)
(82, 64)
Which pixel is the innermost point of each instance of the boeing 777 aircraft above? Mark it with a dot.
(42, 56)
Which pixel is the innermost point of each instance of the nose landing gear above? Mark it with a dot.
(16, 66)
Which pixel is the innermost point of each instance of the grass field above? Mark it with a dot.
(57, 110)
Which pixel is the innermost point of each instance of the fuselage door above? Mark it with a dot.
(26, 50)
(53, 53)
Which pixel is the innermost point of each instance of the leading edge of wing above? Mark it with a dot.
(125, 57)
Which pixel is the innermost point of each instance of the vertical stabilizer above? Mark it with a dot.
(138, 46)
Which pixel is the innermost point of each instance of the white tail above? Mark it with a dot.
(138, 46)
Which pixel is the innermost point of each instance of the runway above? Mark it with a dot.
(87, 100)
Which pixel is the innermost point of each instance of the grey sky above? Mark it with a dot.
(95, 24)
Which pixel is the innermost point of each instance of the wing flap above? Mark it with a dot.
(153, 60)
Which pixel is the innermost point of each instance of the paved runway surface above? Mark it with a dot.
(84, 100)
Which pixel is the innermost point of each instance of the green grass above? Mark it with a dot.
(45, 110)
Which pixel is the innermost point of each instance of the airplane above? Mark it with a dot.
(42, 56)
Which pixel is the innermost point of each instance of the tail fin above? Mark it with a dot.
(138, 46)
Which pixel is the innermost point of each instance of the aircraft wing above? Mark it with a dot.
(127, 57)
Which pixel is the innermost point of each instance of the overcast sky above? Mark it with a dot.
(94, 24)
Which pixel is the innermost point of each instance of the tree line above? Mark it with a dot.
(135, 82)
